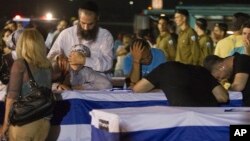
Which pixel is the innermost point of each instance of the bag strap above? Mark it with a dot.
(32, 80)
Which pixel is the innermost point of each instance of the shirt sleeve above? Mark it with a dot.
(195, 49)
(16, 79)
(56, 48)
(241, 64)
(155, 75)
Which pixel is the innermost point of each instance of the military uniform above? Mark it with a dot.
(188, 51)
(167, 45)
(206, 47)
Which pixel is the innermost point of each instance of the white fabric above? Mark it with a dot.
(101, 49)
(144, 118)
(113, 95)
(79, 132)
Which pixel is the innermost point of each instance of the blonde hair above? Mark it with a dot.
(31, 47)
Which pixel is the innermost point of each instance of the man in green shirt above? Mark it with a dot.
(164, 41)
(188, 51)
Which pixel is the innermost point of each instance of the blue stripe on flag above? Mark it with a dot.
(184, 133)
(76, 111)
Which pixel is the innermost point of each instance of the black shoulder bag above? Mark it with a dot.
(37, 104)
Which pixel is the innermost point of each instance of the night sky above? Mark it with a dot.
(111, 10)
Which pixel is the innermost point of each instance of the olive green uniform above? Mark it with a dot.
(188, 51)
(206, 47)
(167, 45)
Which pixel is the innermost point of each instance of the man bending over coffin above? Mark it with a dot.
(184, 85)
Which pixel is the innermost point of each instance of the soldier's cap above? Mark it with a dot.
(84, 50)
(182, 12)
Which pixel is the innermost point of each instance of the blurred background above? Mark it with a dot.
(119, 15)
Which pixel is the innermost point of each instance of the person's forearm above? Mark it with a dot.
(135, 73)
(236, 87)
(8, 106)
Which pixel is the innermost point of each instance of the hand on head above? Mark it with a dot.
(62, 62)
(136, 51)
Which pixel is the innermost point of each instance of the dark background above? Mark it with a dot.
(115, 14)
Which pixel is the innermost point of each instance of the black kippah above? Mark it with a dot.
(89, 5)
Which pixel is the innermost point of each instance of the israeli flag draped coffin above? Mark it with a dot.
(71, 121)
(158, 123)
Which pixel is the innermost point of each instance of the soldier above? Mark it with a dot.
(205, 41)
(187, 47)
(164, 41)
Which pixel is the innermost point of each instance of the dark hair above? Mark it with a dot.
(201, 23)
(222, 26)
(144, 32)
(238, 19)
(182, 12)
(210, 61)
(144, 43)
(171, 26)
(11, 22)
(90, 6)
(164, 18)
(246, 24)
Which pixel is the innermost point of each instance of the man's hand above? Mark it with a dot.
(62, 62)
(78, 87)
(76, 58)
(246, 44)
(63, 87)
(136, 52)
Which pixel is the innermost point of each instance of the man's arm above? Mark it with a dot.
(56, 47)
(143, 86)
(239, 82)
(195, 49)
(220, 94)
(136, 54)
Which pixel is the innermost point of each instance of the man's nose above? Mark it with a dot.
(86, 27)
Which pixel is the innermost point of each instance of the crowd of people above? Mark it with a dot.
(189, 65)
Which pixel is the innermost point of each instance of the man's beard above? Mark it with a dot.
(89, 35)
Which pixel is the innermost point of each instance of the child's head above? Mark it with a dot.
(82, 49)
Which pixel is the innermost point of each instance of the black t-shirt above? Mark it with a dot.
(241, 64)
(184, 85)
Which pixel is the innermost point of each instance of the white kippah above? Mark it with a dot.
(82, 49)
